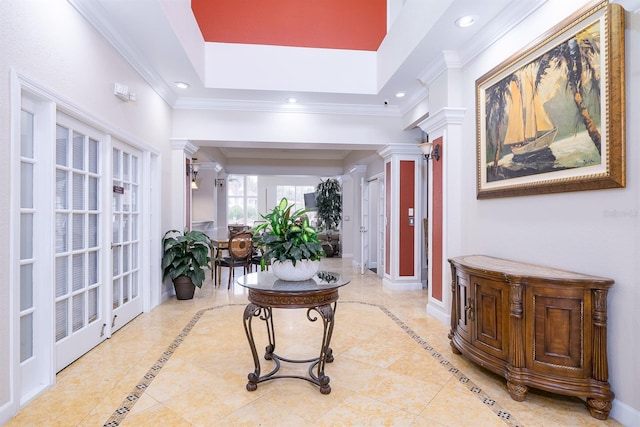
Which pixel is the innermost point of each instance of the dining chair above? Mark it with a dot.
(240, 251)
(237, 228)
(222, 248)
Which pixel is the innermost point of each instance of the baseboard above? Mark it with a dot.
(624, 414)
(8, 411)
(438, 312)
(401, 286)
(169, 293)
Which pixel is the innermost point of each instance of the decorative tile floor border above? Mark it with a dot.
(503, 414)
(121, 412)
(131, 399)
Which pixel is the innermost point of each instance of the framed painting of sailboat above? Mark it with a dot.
(552, 117)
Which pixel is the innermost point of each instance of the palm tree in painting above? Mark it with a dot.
(498, 96)
(578, 59)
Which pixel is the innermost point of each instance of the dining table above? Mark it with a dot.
(219, 242)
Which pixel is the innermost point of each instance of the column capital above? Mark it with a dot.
(211, 166)
(400, 149)
(185, 145)
(358, 169)
(445, 117)
(449, 60)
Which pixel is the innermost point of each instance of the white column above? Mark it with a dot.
(393, 156)
(446, 123)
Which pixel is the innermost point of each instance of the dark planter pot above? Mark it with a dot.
(330, 242)
(184, 287)
(328, 249)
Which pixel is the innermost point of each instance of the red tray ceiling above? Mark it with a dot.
(332, 24)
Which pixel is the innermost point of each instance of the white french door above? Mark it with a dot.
(126, 299)
(364, 226)
(79, 288)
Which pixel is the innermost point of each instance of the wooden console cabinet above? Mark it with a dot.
(536, 326)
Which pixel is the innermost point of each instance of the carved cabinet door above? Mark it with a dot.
(463, 316)
(491, 309)
(558, 330)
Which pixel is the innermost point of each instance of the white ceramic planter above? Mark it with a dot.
(303, 270)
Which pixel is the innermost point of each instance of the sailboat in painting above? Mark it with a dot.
(529, 128)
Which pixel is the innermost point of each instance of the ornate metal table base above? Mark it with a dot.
(265, 313)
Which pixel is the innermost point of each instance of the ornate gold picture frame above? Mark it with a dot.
(552, 117)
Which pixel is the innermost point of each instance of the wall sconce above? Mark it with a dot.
(430, 151)
(192, 170)
(219, 182)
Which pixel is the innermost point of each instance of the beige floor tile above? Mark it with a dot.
(154, 416)
(359, 410)
(441, 408)
(383, 373)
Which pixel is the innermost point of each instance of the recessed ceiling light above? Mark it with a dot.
(400, 94)
(466, 21)
(291, 100)
(181, 85)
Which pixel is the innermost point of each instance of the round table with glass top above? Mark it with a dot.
(319, 295)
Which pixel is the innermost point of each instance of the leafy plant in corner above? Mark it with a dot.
(186, 254)
(287, 235)
(329, 204)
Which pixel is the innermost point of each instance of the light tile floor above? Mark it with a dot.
(186, 364)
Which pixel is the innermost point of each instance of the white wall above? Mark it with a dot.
(593, 232)
(205, 198)
(49, 43)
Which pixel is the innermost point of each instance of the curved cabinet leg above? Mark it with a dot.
(599, 408)
(454, 349)
(518, 392)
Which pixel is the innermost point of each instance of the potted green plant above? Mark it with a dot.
(185, 254)
(329, 205)
(289, 242)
